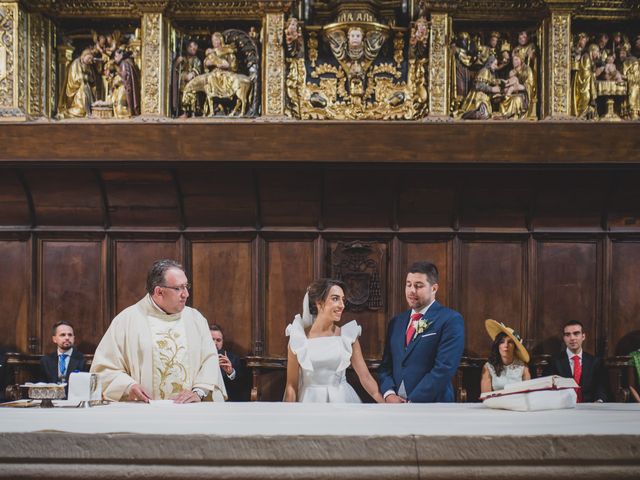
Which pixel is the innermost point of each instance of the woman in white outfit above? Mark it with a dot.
(507, 361)
(320, 352)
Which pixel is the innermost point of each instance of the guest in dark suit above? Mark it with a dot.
(585, 369)
(57, 366)
(4, 373)
(231, 368)
(424, 344)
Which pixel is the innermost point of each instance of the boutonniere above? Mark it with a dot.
(422, 325)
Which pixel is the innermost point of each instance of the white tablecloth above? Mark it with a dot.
(266, 419)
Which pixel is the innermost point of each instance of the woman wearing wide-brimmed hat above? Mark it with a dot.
(507, 361)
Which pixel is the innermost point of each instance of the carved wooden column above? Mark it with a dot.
(439, 65)
(274, 68)
(558, 58)
(41, 66)
(154, 57)
(13, 61)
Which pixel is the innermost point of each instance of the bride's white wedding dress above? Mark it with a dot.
(323, 363)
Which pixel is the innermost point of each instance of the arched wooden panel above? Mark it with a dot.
(65, 197)
(218, 197)
(14, 205)
(142, 198)
(624, 333)
(15, 278)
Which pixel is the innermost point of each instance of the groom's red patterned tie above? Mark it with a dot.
(412, 328)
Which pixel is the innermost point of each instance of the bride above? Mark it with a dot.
(319, 351)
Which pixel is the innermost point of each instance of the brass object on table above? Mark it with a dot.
(46, 393)
(611, 89)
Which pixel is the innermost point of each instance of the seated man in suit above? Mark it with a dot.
(585, 369)
(57, 366)
(230, 367)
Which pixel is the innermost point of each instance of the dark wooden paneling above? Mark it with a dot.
(15, 293)
(291, 197)
(491, 285)
(218, 197)
(321, 141)
(624, 204)
(289, 273)
(570, 200)
(426, 199)
(71, 289)
(65, 197)
(352, 199)
(624, 332)
(437, 252)
(14, 206)
(496, 200)
(221, 278)
(567, 288)
(142, 198)
(132, 260)
(373, 322)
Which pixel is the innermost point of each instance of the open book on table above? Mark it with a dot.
(552, 382)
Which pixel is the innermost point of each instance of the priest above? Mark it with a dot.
(159, 349)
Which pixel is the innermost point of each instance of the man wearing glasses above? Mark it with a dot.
(159, 349)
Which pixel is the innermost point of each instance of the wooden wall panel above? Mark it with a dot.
(132, 260)
(65, 197)
(142, 198)
(14, 207)
(221, 279)
(426, 200)
(289, 273)
(218, 197)
(373, 322)
(437, 252)
(567, 288)
(291, 197)
(72, 289)
(354, 200)
(15, 279)
(491, 286)
(624, 331)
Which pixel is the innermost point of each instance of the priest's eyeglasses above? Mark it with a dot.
(179, 288)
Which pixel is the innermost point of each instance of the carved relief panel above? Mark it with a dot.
(99, 69)
(496, 72)
(605, 71)
(215, 69)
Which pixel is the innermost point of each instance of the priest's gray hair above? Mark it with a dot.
(155, 277)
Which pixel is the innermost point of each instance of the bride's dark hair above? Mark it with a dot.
(319, 290)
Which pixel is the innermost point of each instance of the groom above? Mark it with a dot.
(424, 344)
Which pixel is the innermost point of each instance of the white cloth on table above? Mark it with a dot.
(323, 362)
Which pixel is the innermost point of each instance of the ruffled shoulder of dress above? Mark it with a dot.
(298, 342)
(351, 331)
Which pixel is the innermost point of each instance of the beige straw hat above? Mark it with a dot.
(494, 328)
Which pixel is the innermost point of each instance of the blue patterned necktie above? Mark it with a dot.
(62, 364)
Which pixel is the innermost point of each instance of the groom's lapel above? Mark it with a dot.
(430, 315)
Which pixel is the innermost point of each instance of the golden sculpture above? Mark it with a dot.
(296, 72)
(186, 67)
(527, 52)
(585, 91)
(78, 92)
(220, 81)
(631, 72)
(518, 90)
(477, 104)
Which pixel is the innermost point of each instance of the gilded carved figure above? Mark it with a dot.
(518, 90)
(477, 104)
(296, 71)
(220, 81)
(78, 91)
(418, 58)
(527, 52)
(631, 73)
(125, 94)
(186, 67)
(585, 91)
(462, 78)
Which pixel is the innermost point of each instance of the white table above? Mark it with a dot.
(276, 440)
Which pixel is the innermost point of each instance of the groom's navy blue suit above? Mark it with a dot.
(428, 364)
